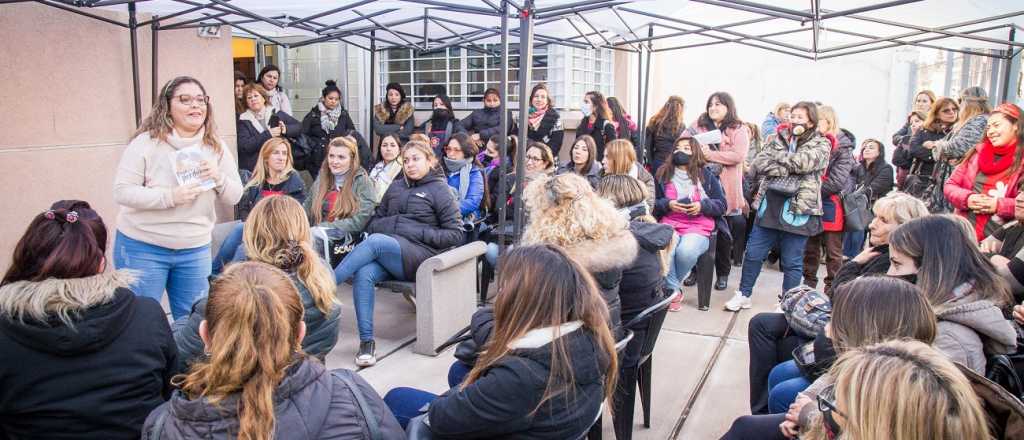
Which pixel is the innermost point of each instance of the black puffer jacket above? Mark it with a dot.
(641, 282)
(606, 260)
(321, 330)
(852, 270)
(923, 156)
(603, 131)
(293, 187)
(500, 404)
(250, 140)
(840, 165)
(550, 131)
(97, 380)
(486, 122)
(422, 215)
(878, 179)
(311, 403)
(312, 128)
(660, 143)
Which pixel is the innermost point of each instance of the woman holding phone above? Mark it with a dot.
(688, 197)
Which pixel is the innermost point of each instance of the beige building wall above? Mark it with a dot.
(68, 104)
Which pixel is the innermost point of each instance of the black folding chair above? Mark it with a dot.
(595, 430)
(624, 401)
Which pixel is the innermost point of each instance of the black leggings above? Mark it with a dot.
(761, 427)
(771, 343)
(725, 248)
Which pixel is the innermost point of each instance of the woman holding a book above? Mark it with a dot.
(168, 205)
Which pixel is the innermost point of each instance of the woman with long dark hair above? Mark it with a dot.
(255, 382)
(270, 79)
(548, 358)
(726, 159)
(164, 227)
(80, 354)
(583, 160)
(875, 177)
(597, 121)
(962, 286)
(662, 131)
(983, 186)
(394, 115)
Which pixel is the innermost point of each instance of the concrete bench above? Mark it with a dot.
(444, 295)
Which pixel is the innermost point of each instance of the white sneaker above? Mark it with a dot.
(738, 302)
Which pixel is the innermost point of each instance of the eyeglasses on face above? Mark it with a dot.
(200, 100)
(827, 406)
(534, 159)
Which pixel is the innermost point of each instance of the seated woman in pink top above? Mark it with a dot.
(688, 197)
(983, 186)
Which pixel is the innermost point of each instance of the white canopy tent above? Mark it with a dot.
(801, 28)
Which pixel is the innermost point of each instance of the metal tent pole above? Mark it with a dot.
(646, 89)
(525, 67)
(371, 100)
(503, 145)
(1008, 70)
(155, 26)
(132, 25)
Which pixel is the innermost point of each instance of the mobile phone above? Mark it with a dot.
(684, 201)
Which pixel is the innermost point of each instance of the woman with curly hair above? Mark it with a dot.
(565, 211)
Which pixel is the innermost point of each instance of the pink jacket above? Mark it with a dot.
(960, 186)
(683, 223)
(731, 154)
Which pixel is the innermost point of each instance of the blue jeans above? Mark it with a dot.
(183, 273)
(457, 372)
(760, 242)
(853, 243)
(376, 259)
(688, 249)
(231, 249)
(406, 403)
(784, 383)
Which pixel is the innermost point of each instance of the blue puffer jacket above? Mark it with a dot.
(321, 330)
(470, 204)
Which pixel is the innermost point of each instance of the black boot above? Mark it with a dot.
(691, 279)
(722, 282)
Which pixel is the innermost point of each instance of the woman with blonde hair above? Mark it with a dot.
(343, 195)
(255, 381)
(662, 131)
(277, 234)
(620, 158)
(565, 211)
(417, 219)
(164, 227)
(274, 175)
(547, 361)
(935, 400)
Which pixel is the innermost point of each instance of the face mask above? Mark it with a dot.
(910, 278)
(585, 109)
(680, 159)
(441, 113)
(799, 130)
(454, 165)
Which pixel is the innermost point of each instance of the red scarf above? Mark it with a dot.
(994, 159)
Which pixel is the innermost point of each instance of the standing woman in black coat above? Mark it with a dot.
(876, 176)
(417, 219)
(258, 124)
(327, 120)
(597, 121)
(937, 124)
(662, 131)
(549, 359)
(81, 356)
(544, 125)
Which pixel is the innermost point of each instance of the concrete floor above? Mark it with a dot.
(684, 354)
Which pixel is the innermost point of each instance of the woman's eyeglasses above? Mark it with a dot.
(200, 100)
(827, 406)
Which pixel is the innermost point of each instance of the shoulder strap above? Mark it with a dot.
(368, 415)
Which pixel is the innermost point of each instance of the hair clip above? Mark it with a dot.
(49, 214)
(71, 216)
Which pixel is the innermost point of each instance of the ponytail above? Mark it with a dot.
(253, 322)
